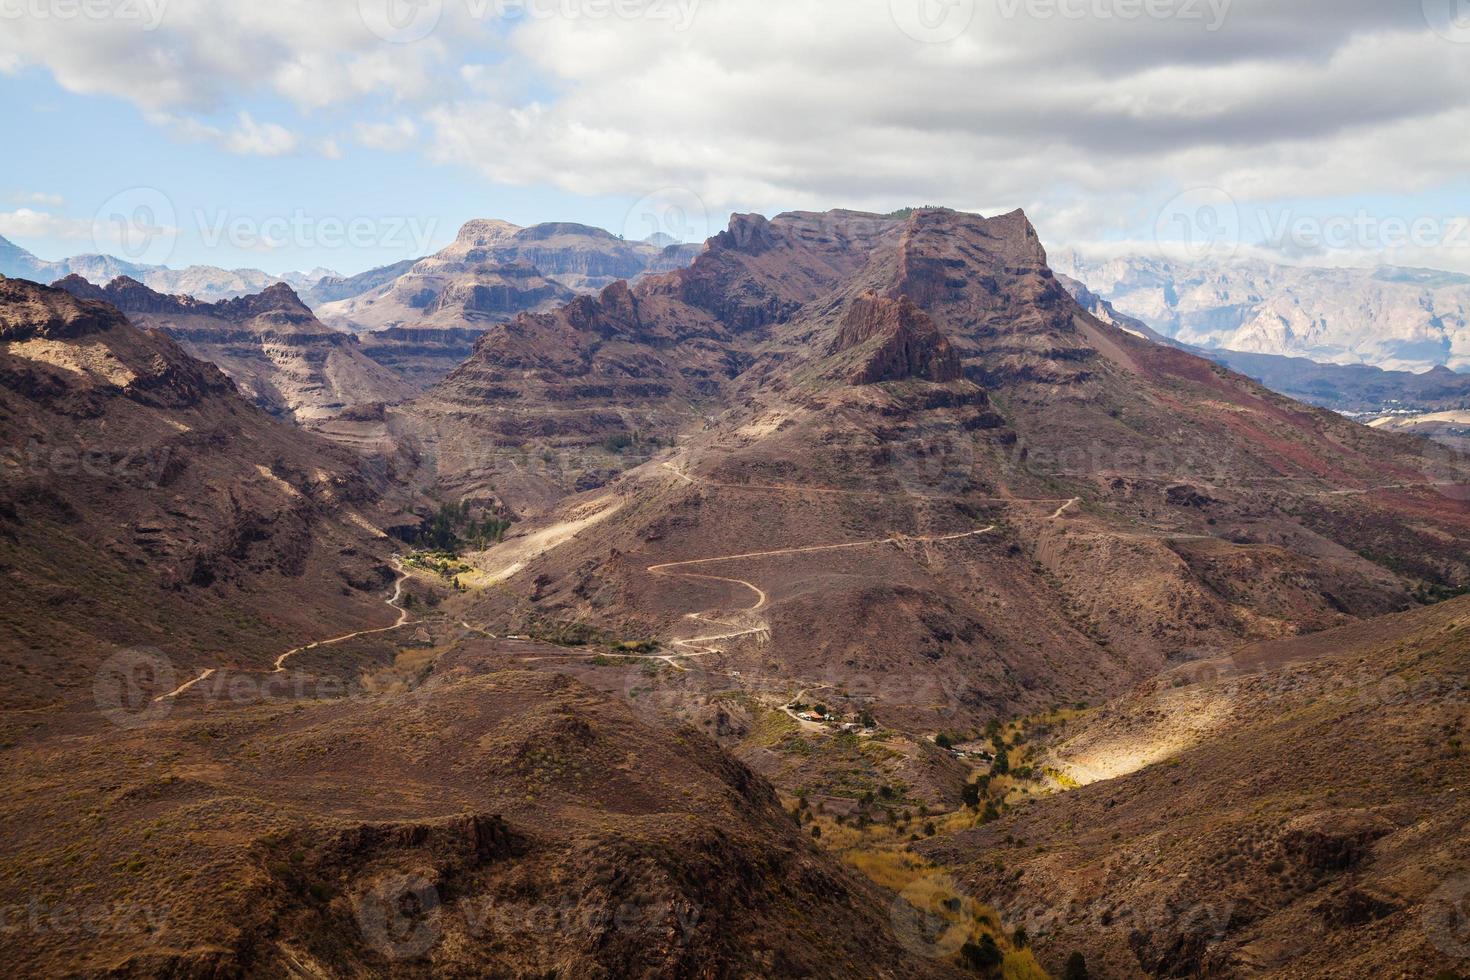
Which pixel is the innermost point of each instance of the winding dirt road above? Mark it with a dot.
(757, 626)
(392, 602)
(280, 664)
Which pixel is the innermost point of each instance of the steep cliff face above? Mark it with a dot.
(270, 344)
(895, 340)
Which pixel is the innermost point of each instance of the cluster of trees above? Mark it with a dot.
(453, 527)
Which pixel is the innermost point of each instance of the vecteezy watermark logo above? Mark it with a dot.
(933, 21)
(933, 916)
(138, 224)
(39, 918)
(400, 916)
(1446, 918)
(146, 13)
(1450, 19)
(1210, 13)
(401, 21)
(1447, 470)
(1203, 223)
(139, 467)
(668, 216)
(1308, 234)
(408, 234)
(130, 687)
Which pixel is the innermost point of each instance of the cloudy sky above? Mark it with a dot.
(288, 134)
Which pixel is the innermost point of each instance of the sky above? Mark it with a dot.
(293, 134)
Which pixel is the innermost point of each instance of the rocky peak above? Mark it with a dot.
(279, 301)
(751, 234)
(30, 310)
(898, 341)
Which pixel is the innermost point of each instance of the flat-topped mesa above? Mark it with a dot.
(944, 252)
(483, 233)
(898, 341)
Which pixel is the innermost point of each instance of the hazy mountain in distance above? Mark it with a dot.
(1359, 389)
(495, 270)
(1393, 318)
(331, 288)
(203, 282)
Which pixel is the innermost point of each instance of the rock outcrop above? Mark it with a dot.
(895, 340)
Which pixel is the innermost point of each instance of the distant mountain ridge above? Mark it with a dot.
(1353, 388)
(1393, 318)
(204, 282)
(495, 270)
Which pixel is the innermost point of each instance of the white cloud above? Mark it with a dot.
(26, 223)
(260, 139)
(398, 134)
(329, 148)
(1090, 122)
(249, 137)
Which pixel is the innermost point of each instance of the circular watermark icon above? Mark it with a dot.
(401, 21)
(674, 215)
(1447, 470)
(1203, 223)
(933, 916)
(400, 916)
(1450, 19)
(933, 21)
(138, 224)
(933, 461)
(1446, 918)
(131, 687)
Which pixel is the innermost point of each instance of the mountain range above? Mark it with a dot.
(845, 598)
(1389, 317)
(203, 282)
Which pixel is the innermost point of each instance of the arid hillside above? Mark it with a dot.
(244, 738)
(147, 504)
(1293, 810)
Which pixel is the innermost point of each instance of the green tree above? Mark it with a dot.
(1076, 968)
(982, 957)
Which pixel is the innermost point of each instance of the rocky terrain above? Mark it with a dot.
(270, 344)
(820, 523)
(1392, 318)
(393, 794)
(148, 505)
(1295, 809)
(932, 470)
